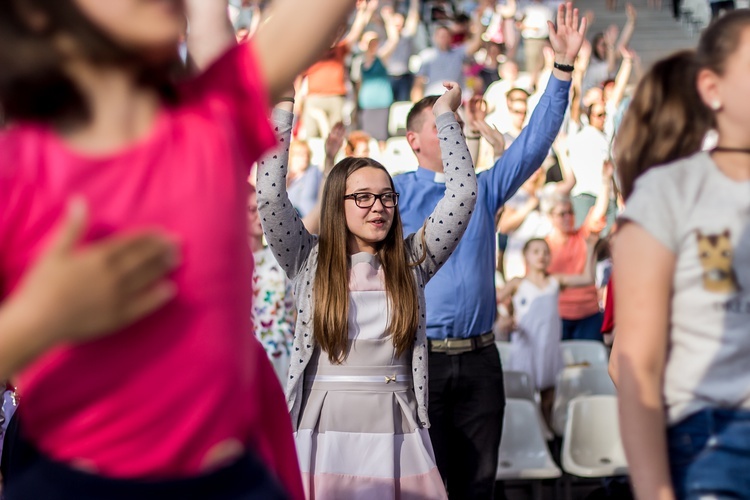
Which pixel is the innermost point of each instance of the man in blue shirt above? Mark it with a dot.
(466, 399)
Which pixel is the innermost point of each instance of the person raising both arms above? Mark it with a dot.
(358, 375)
(466, 381)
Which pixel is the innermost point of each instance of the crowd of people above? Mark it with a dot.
(156, 211)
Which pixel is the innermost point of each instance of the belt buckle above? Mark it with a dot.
(461, 350)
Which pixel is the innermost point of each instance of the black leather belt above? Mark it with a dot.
(460, 346)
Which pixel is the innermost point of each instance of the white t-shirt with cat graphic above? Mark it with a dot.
(702, 216)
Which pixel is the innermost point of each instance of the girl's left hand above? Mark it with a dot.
(450, 101)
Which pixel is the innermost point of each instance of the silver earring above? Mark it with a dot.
(716, 105)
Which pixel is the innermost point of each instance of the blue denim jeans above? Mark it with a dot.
(709, 455)
(589, 328)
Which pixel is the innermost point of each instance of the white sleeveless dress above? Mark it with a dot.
(536, 341)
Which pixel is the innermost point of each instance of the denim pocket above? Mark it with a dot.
(685, 442)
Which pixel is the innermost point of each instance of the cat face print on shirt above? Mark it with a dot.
(716, 256)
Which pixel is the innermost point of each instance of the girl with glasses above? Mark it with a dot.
(579, 307)
(358, 375)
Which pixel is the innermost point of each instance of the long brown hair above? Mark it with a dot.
(331, 309)
(667, 119)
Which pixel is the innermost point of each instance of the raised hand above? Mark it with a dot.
(631, 12)
(566, 39)
(585, 53)
(387, 13)
(611, 34)
(491, 135)
(590, 16)
(372, 6)
(477, 109)
(450, 101)
(335, 142)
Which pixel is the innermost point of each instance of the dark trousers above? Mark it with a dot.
(589, 328)
(467, 402)
(33, 476)
(401, 86)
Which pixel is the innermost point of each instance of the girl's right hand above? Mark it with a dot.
(80, 294)
(450, 101)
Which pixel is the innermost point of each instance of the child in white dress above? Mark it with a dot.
(538, 330)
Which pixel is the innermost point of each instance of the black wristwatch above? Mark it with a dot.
(566, 68)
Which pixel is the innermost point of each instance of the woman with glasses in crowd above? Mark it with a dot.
(579, 307)
(358, 374)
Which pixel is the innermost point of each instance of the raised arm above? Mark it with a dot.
(443, 228)
(581, 65)
(599, 211)
(292, 36)
(475, 42)
(623, 76)
(588, 277)
(365, 10)
(568, 182)
(295, 34)
(610, 38)
(512, 218)
(529, 150)
(287, 236)
(417, 89)
(411, 24)
(334, 142)
(392, 34)
(629, 28)
(210, 32)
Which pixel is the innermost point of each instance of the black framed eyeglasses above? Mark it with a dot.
(367, 200)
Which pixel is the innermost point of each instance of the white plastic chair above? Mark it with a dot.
(397, 115)
(398, 156)
(518, 386)
(375, 153)
(592, 445)
(584, 352)
(574, 382)
(504, 348)
(523, 452)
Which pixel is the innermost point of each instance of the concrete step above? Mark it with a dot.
(656, 35)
